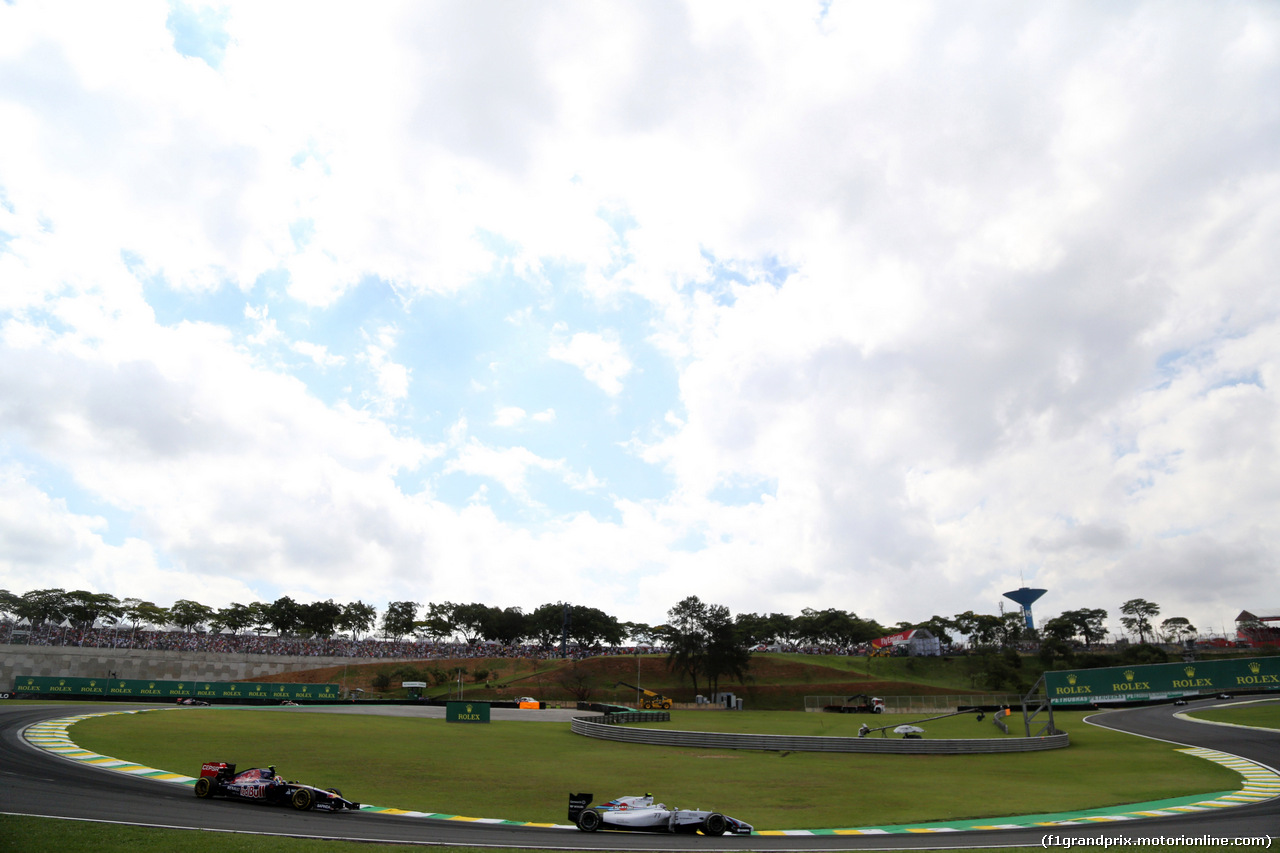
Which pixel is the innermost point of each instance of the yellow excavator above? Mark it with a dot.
(650, 699)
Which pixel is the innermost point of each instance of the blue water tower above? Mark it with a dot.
(1025, 596)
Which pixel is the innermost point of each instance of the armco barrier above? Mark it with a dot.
(634, 717)
(589, 727)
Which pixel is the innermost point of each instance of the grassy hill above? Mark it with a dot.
(775, 681)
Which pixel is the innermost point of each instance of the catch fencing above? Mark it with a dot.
(924, 704)
(591, 727)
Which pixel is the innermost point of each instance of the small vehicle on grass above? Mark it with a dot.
(264, 785)
(859, 704)
(642, 814)
(650, 699)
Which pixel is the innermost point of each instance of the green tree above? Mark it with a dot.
(726, 650)
(753, 629)
(39, 606)
(189, 615)
(234, 617)
(983, 630)
(1011, 630)
(469, 620)
(686, 638)
(1175, 629)
(1053, 646)
(782, 627)
(259, 617)
(1089, 624)
(358, 618)
(507, 626)
(438, 624)
(285, 615)
(85, 608)
(638, 632)
(547, 623)
(1138, 613)
(399, 618)
(1059, 628)
(141, 612)
(589, 626)
(940, 627)
(320, 618)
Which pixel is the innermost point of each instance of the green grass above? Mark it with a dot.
(47, 835)
(524, 771)
(1266, 715)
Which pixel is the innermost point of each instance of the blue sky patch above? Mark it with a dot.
(198, 33)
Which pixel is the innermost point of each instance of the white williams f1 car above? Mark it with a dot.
(642, 814)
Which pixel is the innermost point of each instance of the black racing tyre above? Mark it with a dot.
(877, 710)
(204, 787)
(334, 791)
(714, 824)
(302, 799)
(589, 820)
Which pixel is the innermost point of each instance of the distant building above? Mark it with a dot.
(1259, 627)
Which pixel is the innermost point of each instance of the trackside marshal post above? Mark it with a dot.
(466, 712)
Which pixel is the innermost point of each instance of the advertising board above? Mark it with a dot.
(466, 712)
(155, 689)
(1161, 680)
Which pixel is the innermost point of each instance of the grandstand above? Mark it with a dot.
(1259, 627)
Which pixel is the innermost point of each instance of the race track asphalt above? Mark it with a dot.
(34, 782)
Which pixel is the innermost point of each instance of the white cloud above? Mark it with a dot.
(946, 296)
(391, 379)
(508, 416)
(318, 353)
(600, 357)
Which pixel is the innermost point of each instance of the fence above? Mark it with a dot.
(589, 727)
(924, 704)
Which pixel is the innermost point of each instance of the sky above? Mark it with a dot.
(890, 308)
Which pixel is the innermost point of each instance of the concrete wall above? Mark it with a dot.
(16, 661)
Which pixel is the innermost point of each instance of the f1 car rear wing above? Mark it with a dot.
(577, 804)
(218, 769)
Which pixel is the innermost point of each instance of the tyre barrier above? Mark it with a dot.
(634, 717)
(591, 727)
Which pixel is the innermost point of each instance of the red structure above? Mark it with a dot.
(1260, 627)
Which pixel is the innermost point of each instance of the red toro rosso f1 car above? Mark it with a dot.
(644, 815)
(264, 785)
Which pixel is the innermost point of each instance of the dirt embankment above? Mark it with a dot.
(773, 683)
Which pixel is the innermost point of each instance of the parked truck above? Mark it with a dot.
(649, 699)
